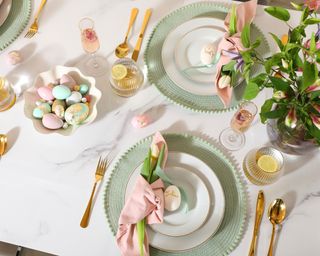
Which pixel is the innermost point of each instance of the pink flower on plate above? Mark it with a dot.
(315, 121)
(291, 119)
(312, 4)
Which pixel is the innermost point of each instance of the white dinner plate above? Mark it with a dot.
(216, 212)
(182, 222)
(183, 45)
(5, 10)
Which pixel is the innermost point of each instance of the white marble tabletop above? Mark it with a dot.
(45, 180)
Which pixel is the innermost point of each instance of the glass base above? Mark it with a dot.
(95, 66)
(10, 105)
(231, 139)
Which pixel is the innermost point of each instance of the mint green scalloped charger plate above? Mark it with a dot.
(156, 71)
(230, 232)
(17, 20)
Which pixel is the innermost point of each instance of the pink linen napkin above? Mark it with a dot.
(245, 13)
(146, 200)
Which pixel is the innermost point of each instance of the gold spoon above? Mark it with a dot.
(276, 214)
(122, 49)
(3, 144)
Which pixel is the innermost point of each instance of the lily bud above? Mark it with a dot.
(291, 119)
(278, 95)
(155, 151)
(285, 64)
(315, 121)
(224, 82)
(313, 88)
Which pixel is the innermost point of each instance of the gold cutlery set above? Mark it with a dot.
(123, 49)
(276, 214)
(34, 26)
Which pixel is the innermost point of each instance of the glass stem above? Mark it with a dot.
(95, 63)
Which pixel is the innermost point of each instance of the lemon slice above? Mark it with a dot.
(268, 163)
(119, 72)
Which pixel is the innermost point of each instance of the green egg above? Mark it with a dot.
(84, 89)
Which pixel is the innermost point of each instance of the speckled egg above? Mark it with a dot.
(67, 80)
(76, 114)
(45, 93)
(41, 110)
(84, 89)
(172, 198)
(61, 92)
(58, 103)
(52, 122)
(208, 53)
(74, 98)
(59, 111)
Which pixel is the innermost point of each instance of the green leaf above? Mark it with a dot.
(259, 79)
(298, 61)
(305, 14)
(313, 47)
(229, 66)
(278, 12)
(233, 21)
(298, 7)
(279, 84)
(251, 91)
(311, 21)
(145, 171)
(266, 107)
(277, 40)
(310, 75)
(245, 36)
(291, 46)
(257, 43)
(277, 113)
(246, 56)
(141, 225)
(314, 95)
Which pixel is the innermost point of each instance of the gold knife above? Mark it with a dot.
(137, 48)
(259, 214)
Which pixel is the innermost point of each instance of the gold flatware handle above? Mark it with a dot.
(43, 2)
(258, 218)
(133, 16)
(270, 252)
(85, 219)
(137, 48)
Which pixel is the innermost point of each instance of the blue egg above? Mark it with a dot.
(61, 92)
(37, 113)
(84, 89)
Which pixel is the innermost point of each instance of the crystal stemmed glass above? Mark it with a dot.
(233, 138)
(94, 65)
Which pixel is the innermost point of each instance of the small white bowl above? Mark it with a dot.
(44, 78)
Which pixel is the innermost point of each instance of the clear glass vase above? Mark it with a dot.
(290, 141)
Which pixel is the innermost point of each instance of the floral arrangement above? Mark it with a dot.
(292, 73)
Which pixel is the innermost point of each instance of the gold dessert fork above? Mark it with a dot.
(34, 27)
(100, 171)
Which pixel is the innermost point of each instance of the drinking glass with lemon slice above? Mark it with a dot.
(263, 166)
(126, 77)
(7, 95)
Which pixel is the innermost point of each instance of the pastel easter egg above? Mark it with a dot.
(84, 89)
(41, 110)
(208, 53)
(14, 57)
(52, 122)
(37, 113)
(76, 113)
(45, 93)
(58, 103)
(76, 88)
(67, 80)
(59, 111)
(140, 121)
(61, 92)
(74, 98)
(172, 198)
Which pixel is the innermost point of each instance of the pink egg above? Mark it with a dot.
(67, 80)
(45, 93)
(52, 122)
(140, 121)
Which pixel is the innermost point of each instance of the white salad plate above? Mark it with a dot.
(184, 45)
(200, 172)
(5, 8)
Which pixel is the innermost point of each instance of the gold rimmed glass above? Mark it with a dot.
(7, 95)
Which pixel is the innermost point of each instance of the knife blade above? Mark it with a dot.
(258, 218)
(137, 48)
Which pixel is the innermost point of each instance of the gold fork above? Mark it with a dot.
(34, 27)
(100, 171)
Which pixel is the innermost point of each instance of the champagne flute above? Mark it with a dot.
(233, 138)
(94, 65)
(7, 95)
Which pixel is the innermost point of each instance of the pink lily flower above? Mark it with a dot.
(315, 121)
(312, 4)
(291, 119)
(313, 88)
